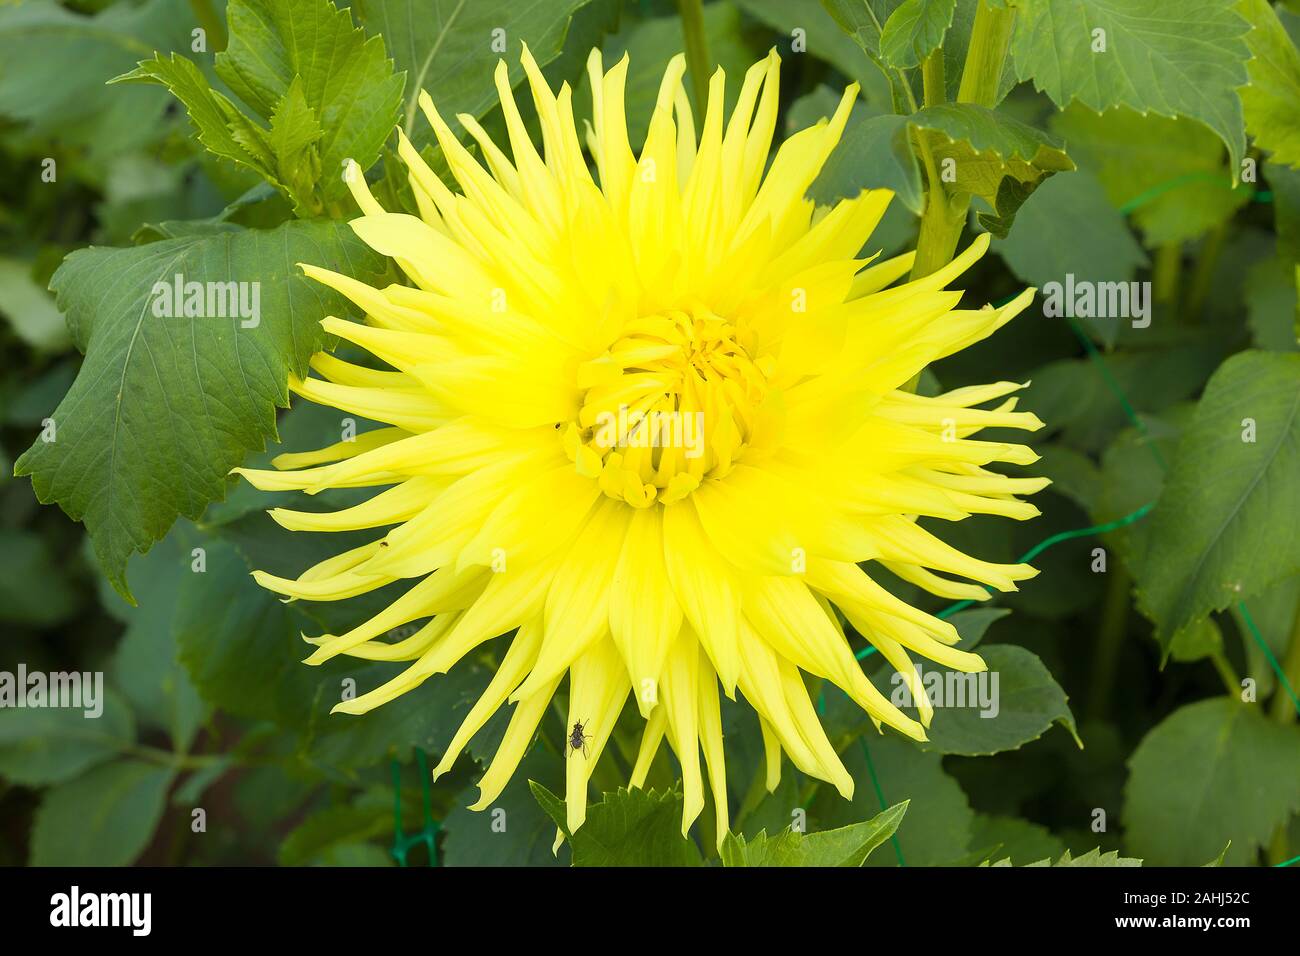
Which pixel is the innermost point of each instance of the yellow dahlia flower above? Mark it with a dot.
(650, 424)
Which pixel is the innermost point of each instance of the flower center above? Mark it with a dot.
(672, 402)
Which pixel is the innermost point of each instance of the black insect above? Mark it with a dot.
(578, 738)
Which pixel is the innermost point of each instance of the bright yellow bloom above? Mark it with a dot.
(654, 421)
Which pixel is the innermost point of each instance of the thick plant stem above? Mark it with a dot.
(697, 52)
(945, 215)
(933, 81)
(1203, 275)
(1167, 275)
(941, 223)
(941, 227)
(1110, 638)
(990, 40)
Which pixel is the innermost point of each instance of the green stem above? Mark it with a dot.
(1203, 276)
(180, 840)
(899, 73)
(697, 52)
(1284, 711)
(941, 227)
(933, 81)
(1167, 274)
(1110, 638)
(1231, 682)
(990, 40)
(945, 215)
(169, 758)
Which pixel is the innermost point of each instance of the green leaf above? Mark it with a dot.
(877, 28)
(1273, 612)
(626, 828)
(446, 49)
(1071, 397)
(1285, 183)
(514, 830)
(241, 651)
(1133, 475)
(889, 34)
(29, 309)
(874, 153)
(194, 786)
(1170, 173)
(30, 405)
(328, 94)
(221, 127)
(1213, 536)
(936, 829)
(1195, 641)
(54, 64)
(1211, 772)
(146, 665)
(1271, 305)
(272, 792)
(345, 79)
(1023, 706)
(1073, 474)
(1272, 99)
(354, 855)
(847, 846)
(244, 649)
(1017, 840)
(755, 807)
(1218, 860)
(1169, 57)
(845, 34)
(295, 132)
(305, 425)
(1097, 246)
(42, 745)
(973, 624)
(863, 20)
(104, 818)
(844, 718)
(1093, 858)
(34, 588)
(915, 30)
(328, 828)
(164, 407)
(990, 155)
(425, 718)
